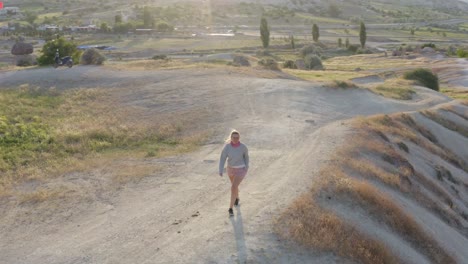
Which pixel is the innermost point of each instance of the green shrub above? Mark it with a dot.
(76, 56)
(240, 60)
(160, 57)
(289, 64)
(363, 51)
(310, 49)
(64, 47)
(313, 62)
(342, 84)
(24, 135)
(425, 77)
(430, 45)
(270, 64)
(462, 53)
(353, 48)
(92, 57)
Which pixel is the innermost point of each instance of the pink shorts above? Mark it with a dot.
(237, 172)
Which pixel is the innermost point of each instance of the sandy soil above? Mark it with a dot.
(180, 215)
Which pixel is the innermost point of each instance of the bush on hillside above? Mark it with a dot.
(64, 47)
(92, 57)
(240, 60)
(313, 62)
(430, 45)
(289, 64)
(342, 84)
(269, 64)
(353, 48)
(462, 53)
(425, 77)
(310, 49)
(363, 51)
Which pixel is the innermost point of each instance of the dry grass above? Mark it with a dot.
(372, 171)
(395, 88)
(308, 223)
(124, 173)
(459, 94)
(255, 71)
(368, 168)
(436, 117)
(401, 175)
(384, 209)
(341, 84)
(454, 111)
(373, 62)
(42, 195)
(171, 64)
(88, 125)
(403, 126)
(325, 75)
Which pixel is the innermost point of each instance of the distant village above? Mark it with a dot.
(15, 12)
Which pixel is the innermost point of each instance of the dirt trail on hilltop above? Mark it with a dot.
(180, 216)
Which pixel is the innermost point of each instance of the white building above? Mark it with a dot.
(48, 27)
(88, 28)
(10, 10)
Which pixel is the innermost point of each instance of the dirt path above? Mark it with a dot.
(180, 216)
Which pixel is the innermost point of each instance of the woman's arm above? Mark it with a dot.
(222, 160)
(246, 158)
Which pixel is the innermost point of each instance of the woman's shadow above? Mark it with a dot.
(238, 226)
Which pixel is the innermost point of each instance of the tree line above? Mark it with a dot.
(265, 34)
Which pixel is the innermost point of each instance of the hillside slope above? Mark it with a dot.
(177, 213)
(398, 191)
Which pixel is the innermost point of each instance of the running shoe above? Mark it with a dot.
(231, 212)
(236, 203)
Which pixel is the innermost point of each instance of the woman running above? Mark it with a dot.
(237, 156)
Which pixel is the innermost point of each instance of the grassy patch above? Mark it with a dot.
(434, 116)
(455, 93)
(42, 195)
(324, 76)
(133, 43)
(371, 62)
(310, 224)
(138, 65)
(395, 88)
(341, 84)
(385, 210)
(45, 133)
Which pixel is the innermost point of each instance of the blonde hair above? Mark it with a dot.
(228, 139)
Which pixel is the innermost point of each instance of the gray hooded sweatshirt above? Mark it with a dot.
(237, 157)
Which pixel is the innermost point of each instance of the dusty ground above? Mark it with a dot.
(179, 215)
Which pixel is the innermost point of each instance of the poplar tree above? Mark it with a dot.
(315, 32)
(264, 33)
(362, 34)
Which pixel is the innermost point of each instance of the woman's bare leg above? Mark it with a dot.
(235, 189)
(232, 181)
